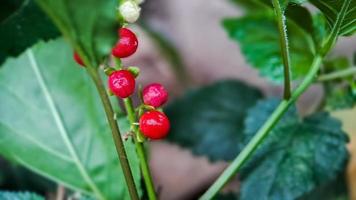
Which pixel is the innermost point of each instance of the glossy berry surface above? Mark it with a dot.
(154, 124)
(78, 59)
(127, 44)
(155, 95)
(122, 83)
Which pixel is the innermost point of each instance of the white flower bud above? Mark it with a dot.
(130, 11)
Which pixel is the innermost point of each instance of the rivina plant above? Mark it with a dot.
(52, 111)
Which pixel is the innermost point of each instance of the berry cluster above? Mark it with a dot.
(153, 123)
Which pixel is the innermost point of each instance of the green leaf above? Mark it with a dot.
(209, 120)
(264, 5)
(89, 25)
(320, 32)
(298, 1)
(339, 96)
(332, 10)
(26, 25)
(298, 155)
(339, 92)
(228, 196)
(52, 122)
(258, 37)
(19, 196)
(301, 17)
(334, 190)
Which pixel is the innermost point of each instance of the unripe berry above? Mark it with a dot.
(154, 124)
(130, 11)
(155, 95)
(78, 59)
(127, 44)
(122, 83)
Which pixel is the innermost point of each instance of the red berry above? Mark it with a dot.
(122, 83)
(78, 59)
(154, 124)
(155, 95)
(127, 44)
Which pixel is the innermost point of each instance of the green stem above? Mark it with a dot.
(282, 27)
(131, 114)
(115, 133)
(338, 74)
(262, 132)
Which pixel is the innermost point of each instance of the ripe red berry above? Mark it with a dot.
(155, 95)
(154, 124)
(127, 44)
(78, 59)
(122, 83)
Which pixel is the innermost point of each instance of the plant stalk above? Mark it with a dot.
(115, 133)
(338, 74)
(282, 27)
(131, 114)
(262, 132)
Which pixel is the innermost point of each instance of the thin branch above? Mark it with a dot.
(338, 74)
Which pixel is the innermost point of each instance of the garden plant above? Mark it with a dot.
(72, 112)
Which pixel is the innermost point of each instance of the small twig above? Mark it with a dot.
(338, 74)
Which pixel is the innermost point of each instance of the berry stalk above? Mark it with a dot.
(131, 114)
(115, 133)
(124, 85)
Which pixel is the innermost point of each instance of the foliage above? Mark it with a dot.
(210, 115)
(22, 24)
(19, 196)
(334, 9)
(92, 35)
(75, 149)
(298, 156)
(258, 33)
(51, 121)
